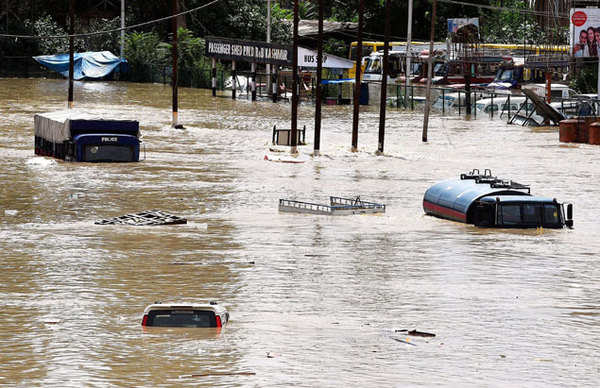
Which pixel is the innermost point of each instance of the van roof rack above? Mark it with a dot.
(501, 184)
(494, 182)
(476, 174)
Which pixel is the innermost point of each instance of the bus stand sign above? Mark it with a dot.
(248, 51)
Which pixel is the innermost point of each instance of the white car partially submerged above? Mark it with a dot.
(451, 100)
(185, 315)
(501, 103)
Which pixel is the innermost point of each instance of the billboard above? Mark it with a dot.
(585, 32)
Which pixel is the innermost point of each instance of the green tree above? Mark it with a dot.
(145, 54)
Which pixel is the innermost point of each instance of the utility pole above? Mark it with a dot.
(361, 8)
(467, 88)
(408, 72)
(386, 71)
(175, 55)
(268, 41)
(122, 26)
(549, 85)
(429, 73)
(71, 54)
(319, 79)
(294, 130)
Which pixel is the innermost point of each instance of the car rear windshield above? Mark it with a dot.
(108, 153)
(181, 318)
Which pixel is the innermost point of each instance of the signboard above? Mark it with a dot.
(456, 23)
(585, 32)
(308, 58)
(248, 51)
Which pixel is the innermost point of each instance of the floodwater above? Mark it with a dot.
(314, 300)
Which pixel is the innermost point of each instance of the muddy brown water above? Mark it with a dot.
(314, 301)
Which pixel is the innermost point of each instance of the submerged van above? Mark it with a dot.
(185, 315)
(487, 201)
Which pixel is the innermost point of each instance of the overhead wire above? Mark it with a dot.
(159, 20)
(82, 35)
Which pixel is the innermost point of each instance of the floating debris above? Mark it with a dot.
(415, 333)
(337, 206)
(285, 158)
(146, 218)
(284, 136)
(403, 341)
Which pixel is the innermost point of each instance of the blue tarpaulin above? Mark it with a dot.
(86, 65)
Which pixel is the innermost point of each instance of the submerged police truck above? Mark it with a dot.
(83, 137)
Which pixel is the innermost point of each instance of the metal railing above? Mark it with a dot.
(336, 204)
(315, 207)
(356, 203)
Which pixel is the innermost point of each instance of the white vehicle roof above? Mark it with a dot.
(217, 309)
(501, 99)
(552, 85)
(379, 53)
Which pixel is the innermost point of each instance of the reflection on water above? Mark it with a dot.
(314, 300)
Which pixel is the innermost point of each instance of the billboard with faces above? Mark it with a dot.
(585, 32)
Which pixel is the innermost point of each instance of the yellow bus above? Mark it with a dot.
(372, 47)
(538, 49)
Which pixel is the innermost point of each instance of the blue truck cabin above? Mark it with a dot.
(79, 136)
(106, 147)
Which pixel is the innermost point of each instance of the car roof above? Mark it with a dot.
(217, 309)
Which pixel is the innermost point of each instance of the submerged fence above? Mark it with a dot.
(446, 101)
(502, 104)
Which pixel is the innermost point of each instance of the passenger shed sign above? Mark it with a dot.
(248, 51)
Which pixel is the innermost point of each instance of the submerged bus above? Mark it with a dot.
(369, 47)
(487, 201)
